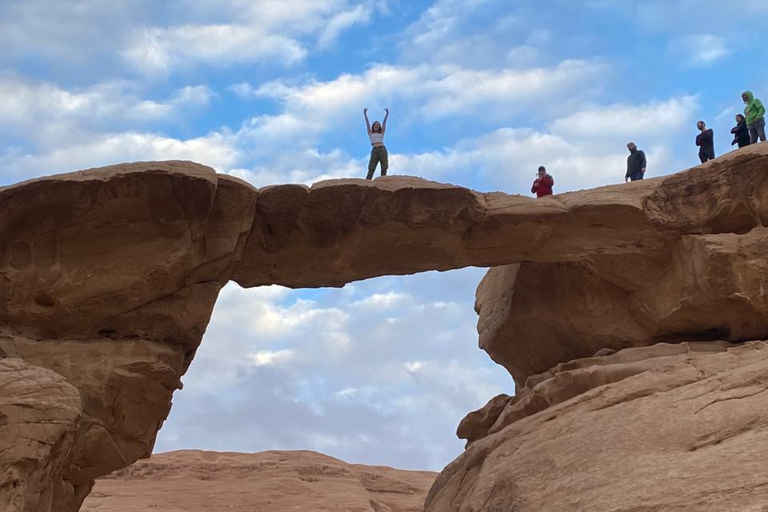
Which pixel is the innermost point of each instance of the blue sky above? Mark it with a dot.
(481, 93)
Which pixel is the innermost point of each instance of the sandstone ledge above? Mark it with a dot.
(685, 435)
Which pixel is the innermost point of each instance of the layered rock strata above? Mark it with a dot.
(108, 276)
(533, 316)
(667, 427)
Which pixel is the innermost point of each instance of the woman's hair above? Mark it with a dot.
(373, 127)
(741, 117)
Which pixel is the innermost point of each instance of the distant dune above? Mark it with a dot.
(197, 481)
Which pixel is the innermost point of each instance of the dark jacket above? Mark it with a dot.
(740, 134)
(636, 162)
(543, 186)
(706, 141)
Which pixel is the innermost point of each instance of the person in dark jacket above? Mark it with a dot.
(542, 185)
(740, 132)
(706, 142)
(636, 163)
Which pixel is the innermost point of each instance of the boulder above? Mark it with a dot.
(647, 429)
(533, 316)
(39, 415)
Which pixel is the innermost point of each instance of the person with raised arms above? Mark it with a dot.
(379, 153)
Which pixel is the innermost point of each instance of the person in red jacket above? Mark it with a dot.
(542, 185)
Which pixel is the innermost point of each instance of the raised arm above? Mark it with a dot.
(384, 124)
(367, 122)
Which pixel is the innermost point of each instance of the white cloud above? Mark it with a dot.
(367, 389)
(271, 357)
(276, 31)
(51, 115)
(161, 50)
(624, 121)
(700, 49)
(444, 33)
(585, 148)
(435, 91)
(338, 23)
(423, 94)
(381, 301)
(158, 40)
(214, 150)
(304, 166)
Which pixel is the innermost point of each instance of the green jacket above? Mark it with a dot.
(754, 109)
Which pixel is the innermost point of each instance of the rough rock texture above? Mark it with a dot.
(701, 287)
(39, 414)
(108, 276)
(344, 230)
(193, 481)
(667, 427)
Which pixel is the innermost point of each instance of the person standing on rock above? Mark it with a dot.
(542, 185)
(706, 142)
(740, 132)
(379, 150)
(636, 163)
(755, 112)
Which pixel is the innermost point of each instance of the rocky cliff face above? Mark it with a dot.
(108, 278)
(667, 427)
(195, 481)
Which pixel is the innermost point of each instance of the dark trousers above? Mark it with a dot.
(757, 131)
(706, 154)
(636, 176)
(378, 154)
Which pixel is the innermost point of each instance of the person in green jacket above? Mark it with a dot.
(755, 112)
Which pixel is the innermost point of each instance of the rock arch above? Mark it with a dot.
(108, 277)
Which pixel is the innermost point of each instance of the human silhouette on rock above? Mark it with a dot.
(755, 113)
(740, 132)
(379, 153)
(636, 163)
(542, 185)
(706, 142)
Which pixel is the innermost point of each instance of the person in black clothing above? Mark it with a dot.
(706, 142)
(740, 132)
(636, 163)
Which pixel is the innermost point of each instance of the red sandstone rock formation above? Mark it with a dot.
(195, 481)
(667, 427)
(108, 278)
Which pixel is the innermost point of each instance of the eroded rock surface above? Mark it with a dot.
(700, 287)
(39, 416)
(345, 230)
(195, 481)
(108, 276)
(647, 429)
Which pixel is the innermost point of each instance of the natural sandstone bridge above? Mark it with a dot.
(108, 277)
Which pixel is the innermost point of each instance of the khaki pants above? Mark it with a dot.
(378, 154)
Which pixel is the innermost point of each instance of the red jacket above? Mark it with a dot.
(543, 186)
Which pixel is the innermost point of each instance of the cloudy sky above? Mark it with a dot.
(481, 93)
